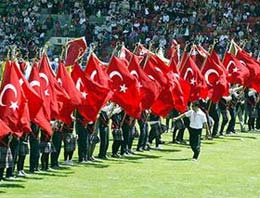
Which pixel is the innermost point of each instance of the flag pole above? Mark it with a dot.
(148, 53)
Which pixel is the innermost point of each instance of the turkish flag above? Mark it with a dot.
(149, 89)
(141, 50)
(199, 55)
(96, 71)
(65, 80)
(42, 118)
(174, 52)
(34, 100)
(4, 129)
(191, 73)
(125, 87)
(157, 70)
(55, 96)
(215, 77)
(76, 48)
(13, 103)
(237, 73)
(254, 70)
(94, 96)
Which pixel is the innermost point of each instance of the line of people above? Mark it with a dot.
(242, 103)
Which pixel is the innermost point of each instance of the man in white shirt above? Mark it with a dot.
(198, 120)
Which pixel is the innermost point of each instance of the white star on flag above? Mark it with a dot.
(14, 105)
(123, 88)
(235, 69)
(140, 85)
(192, 81)
(84, 94)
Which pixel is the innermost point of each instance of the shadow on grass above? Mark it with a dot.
(209, 142)
(97, 165)
(180, 159)
(11, 185)
(2, 192)
(32, 177)
(147, 156)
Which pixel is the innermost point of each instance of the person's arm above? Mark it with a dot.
(179, 117)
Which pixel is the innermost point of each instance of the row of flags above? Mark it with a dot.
(135, 81)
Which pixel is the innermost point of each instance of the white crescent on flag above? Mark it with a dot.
(229, 64)
(93, 74)
(134, 73)
(187, 72)
(209, 72)
(8, 86)
(158, 69)
(42, 75)
(35, 83)
(115, 73)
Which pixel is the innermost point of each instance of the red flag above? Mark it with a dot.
(4, 129)
(215, 77)
(34, 100)
(68, 85)
(174, 52)
(94, 96)
(96, 71)
(254, 70)
(156, 70)
(55, 95)
(76, 48)
(125, 87)
(141, 50)
(191, 73)
(13, 104)
(42, 118)
(199, 55)
(149, 89)
(237, 73)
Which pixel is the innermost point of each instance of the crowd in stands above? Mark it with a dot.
(23, 23)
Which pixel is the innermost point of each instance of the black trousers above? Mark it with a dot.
(195, 135)
(232, 121)
(1, 173)
(57, 141)
(104, 140)
(68, 155)
(155, 134)
(224, 121)
(251, 123)
(126, 137)
(143, 137)
(45, 161)
(214, 113)
(180, 134)
(14, 151)
(34, 154)
(82, 145)
(116, 145)
(20, 162)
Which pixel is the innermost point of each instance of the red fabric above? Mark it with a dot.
(149, 89)
(4, 129)
(96, 71)
(55, 96)
(76, 48)
(42, 118)
(237, 72)
(191, 73)
(65, 80)
(215, 77)
(254, 69)
(13, 103)
(125, 87)
(94, 96)
(35, 102)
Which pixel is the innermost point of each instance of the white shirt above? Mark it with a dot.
(197, 119)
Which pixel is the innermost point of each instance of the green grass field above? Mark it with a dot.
(227, 167)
